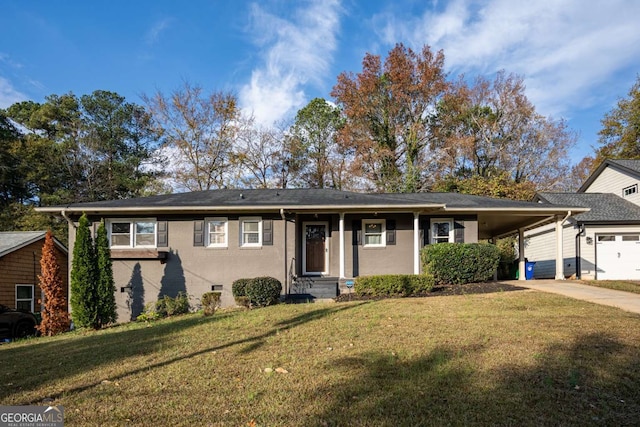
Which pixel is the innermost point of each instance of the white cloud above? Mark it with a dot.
(568, 50)
(295, 52)
(153, 34)
(8, 94)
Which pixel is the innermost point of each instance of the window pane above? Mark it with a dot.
(441, 229)
(24, 292)
(216, 239)
(216, 227)
(250, 226)
(23, 305)
(606, 238)
(250, 238)
(630, 238)
(145, 228)
(145, 239)
(120, 240)
(372, 239)
(120, 227)
(373, 228)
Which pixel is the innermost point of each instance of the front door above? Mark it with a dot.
(315, 248)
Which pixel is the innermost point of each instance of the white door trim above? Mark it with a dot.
(304, 248)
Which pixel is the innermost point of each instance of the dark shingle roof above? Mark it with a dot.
(292, 198)
(605, 207)
(633, 165)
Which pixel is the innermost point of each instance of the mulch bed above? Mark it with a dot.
(445, 290)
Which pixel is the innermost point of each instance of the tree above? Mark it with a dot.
(120, 142)
(389, 111)
(258, 156)
(199, 131)
(620, 133)
(106, 288)
(314, 144)
(55, 318)
(84, 278)
(492, 128)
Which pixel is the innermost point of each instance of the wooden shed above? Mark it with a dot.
(20, 253)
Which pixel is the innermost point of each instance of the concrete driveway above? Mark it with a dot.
(625, 300)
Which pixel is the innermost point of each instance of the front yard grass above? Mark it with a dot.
(618, 285)
(506, 358)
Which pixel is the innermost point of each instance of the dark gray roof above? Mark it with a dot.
(463, 201)
(605, 207)
(630, 166)
(633, 165)
(292, 198)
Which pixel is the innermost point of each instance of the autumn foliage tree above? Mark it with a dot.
(388, 109)
(491, 130)
(55, 318)
(620, 133)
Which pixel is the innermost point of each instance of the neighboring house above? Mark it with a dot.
(603, 243)
(20, 253)
(311, 240)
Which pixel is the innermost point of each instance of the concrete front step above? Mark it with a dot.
(315, 287)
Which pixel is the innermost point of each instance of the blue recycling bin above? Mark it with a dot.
(528, 270)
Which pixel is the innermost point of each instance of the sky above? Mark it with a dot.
(577, 58)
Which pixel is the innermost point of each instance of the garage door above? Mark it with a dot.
(618, 256)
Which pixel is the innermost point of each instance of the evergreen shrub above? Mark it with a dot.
(460, 263)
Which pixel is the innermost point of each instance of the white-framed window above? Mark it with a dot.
(217, 231)
(250, 231)
(24, 297)
(628, 191)
(374, 233)
(132, 233)
(442, 230)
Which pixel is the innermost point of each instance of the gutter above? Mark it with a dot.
(581, 231)
(63, 213)
(286, 275)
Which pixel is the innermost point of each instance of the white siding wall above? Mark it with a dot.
(613, 180)
(540, 247)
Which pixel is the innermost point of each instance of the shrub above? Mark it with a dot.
(239, 287)
(150, 313)
(167, 306)
(460, 263)
(263, 291)
(393, 284)
(210, 302)
(243, 301)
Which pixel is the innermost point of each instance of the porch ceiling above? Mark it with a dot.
(502, 224)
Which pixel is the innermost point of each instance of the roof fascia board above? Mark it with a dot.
(275, 208)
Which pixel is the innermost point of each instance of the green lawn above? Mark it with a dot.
(507, 358)
(618, 285)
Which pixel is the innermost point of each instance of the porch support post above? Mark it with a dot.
(521, 266)
(559, 249)
(341, 232)
(493, 241)
(416, 243)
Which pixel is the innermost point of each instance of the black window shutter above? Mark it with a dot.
(267, 232)
(356, 232)
(198, 233)
(424, 232)
(458, 231)
(163, 234)
(391, 232)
